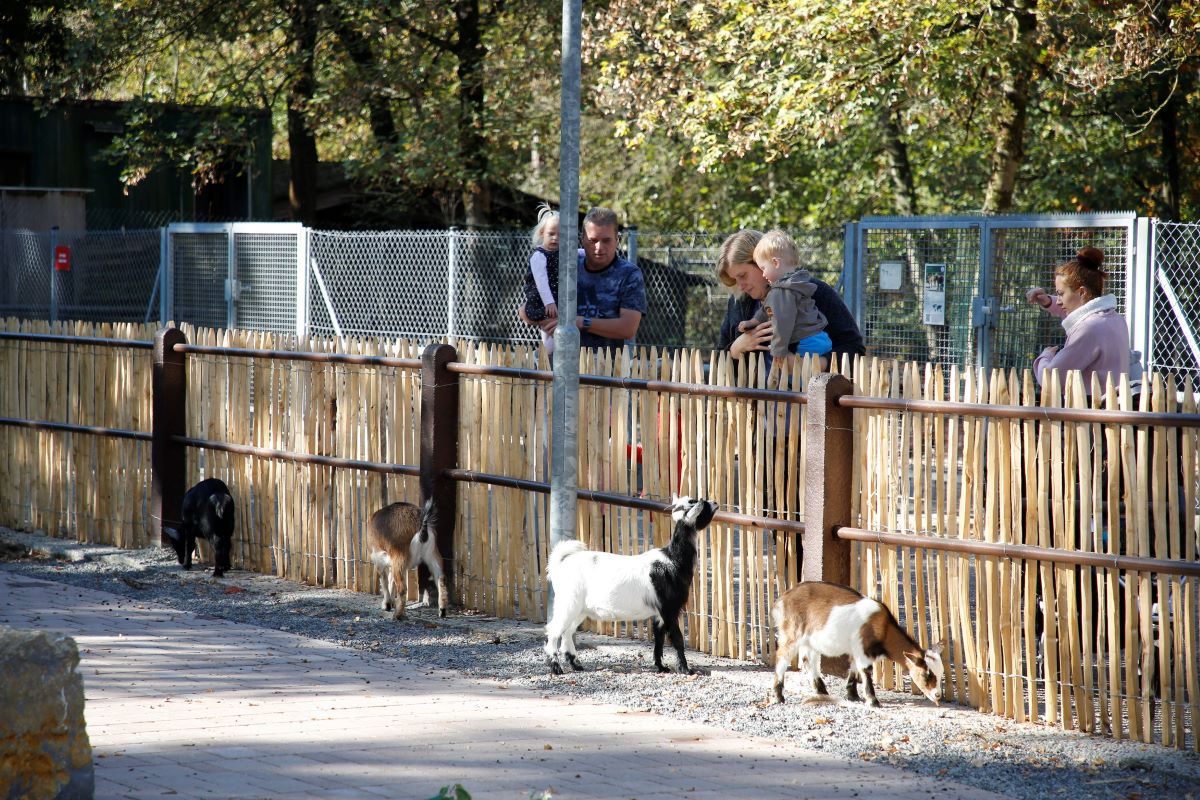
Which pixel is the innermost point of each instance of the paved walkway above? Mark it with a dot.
(184, 705)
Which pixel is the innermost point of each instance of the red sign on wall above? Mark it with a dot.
(62, 258)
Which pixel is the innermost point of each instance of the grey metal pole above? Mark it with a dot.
(53, 275)
(565, 450)
(451, 281)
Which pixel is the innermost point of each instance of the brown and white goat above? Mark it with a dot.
(814, 619)
(400, 537)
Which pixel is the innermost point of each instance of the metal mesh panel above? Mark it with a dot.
(893, 326)
(381, 283)
(1026, 257)
(1175, 312)
(25, 278)
(489, 272)
(112, 276)
(201, 265)
(266, 271)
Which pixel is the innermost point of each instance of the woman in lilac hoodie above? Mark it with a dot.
(1097, 334)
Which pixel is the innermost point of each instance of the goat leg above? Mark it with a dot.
(851, 686)
(782, 660)
(659, 634)
(677, 642)
(869, 687)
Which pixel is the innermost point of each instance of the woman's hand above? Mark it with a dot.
(1038, 297)
(552, 310)
(758, 338)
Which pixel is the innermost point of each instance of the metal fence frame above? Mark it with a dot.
(991, 271)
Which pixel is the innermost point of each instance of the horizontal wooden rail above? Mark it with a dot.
(53, 338)
(699, 389)
(64, 427)
(298, 458)
(1024, 552)
(299, 355)
(731, 517)
(1036, 413)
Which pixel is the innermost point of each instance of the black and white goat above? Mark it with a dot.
(589, 584)
(814, 619)
(400, 537)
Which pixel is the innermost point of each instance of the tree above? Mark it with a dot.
(936, 98)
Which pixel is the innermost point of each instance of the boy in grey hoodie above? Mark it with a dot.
(799, 326)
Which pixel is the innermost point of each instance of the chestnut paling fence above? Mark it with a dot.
(1053, 553)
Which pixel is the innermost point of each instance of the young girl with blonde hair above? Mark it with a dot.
(541, 279)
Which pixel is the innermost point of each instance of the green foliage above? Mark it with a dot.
(455, 792)
(696, 115)
(811, 93)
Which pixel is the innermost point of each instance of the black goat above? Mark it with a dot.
(207, 512)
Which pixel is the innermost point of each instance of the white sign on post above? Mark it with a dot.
(890, 273)
(935, 295)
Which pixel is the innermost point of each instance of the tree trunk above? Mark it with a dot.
(1017, 79)
(1167, 100)
(899, 166)
(358, 46)
(302, 143)
(471, 140)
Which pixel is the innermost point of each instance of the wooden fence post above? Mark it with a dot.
(439, 450)
(828, 478)
(168, 459)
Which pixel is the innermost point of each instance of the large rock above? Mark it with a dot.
(44, 748)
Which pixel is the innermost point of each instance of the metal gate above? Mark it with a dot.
(236, 275)
(1173, 291)
(951, 290)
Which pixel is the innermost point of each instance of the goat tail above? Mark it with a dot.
(429, 519)
(561, 551)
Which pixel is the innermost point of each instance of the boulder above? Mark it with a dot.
(44, 747)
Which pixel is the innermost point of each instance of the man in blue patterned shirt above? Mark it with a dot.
(610, 291)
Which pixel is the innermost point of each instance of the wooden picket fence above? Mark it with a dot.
(92, 488)
(1118, 489)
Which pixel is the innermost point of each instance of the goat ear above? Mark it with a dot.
(936, 648)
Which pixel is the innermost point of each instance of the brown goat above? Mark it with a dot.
(400, 537)
(814, 619)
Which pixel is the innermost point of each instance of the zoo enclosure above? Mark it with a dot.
(432, 285)
(948, 534)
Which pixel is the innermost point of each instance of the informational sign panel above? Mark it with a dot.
(935, 295)
(62, 258)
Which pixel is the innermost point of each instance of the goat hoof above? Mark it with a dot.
(660, 669)
(555, 668)
(442, 613)
(874, 703)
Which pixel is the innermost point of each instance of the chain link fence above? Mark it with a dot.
(110, 276)
(1174, 340)
(438, 284)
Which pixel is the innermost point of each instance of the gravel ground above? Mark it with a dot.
(1019, 760)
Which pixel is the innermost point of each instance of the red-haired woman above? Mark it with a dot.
(1097, 334)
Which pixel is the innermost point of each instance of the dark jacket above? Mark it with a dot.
(840, 324)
